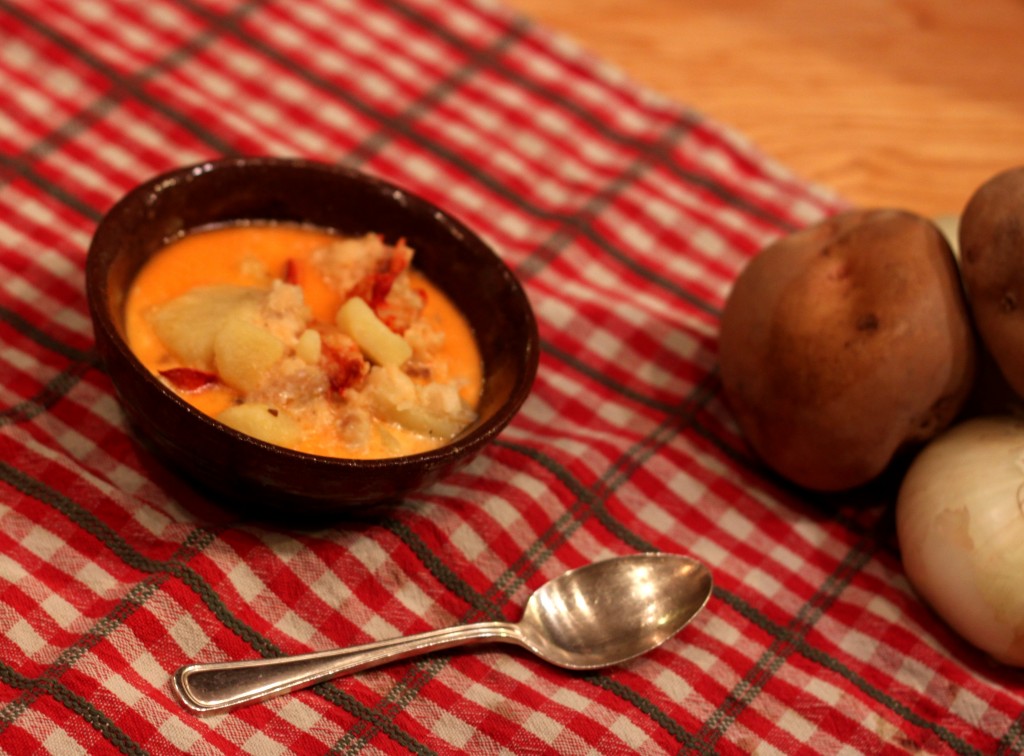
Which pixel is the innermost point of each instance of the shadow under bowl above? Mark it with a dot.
(243, 472)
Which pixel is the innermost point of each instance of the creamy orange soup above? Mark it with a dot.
(305, 339)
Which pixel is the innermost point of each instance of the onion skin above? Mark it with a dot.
(960, 525)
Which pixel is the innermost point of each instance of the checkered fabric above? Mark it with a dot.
(626, 217)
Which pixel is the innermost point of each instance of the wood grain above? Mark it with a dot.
(903, 103)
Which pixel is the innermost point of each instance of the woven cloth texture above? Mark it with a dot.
(626, 216)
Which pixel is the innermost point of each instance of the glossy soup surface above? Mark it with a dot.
(253, 325)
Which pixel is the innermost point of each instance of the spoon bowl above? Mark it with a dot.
(611, 611)
(594, 616)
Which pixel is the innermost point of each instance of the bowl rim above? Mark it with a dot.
(143, 194)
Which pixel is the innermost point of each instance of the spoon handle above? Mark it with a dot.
(223, 685)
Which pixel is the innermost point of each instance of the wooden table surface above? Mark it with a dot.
(903, 103)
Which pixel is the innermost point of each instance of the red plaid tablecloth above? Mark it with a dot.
(626, 216)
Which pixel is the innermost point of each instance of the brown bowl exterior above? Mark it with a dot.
(237, 469)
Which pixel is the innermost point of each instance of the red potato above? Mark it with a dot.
(992, 259)
(845, 343)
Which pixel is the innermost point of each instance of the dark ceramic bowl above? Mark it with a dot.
(238, 469)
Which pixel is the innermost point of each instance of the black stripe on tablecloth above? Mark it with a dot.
(52, 392)
(1010, 742)
(42, 338)
(48, 682)
(1013, 741)
(690, 744)
(13, 166)
(34, 687)
(784, 644)
(129, 86)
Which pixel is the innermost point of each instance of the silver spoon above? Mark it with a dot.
(594, 616)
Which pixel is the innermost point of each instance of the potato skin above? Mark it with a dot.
(992, 260)
(845, 342)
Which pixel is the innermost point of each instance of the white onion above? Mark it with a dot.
(960, 524)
